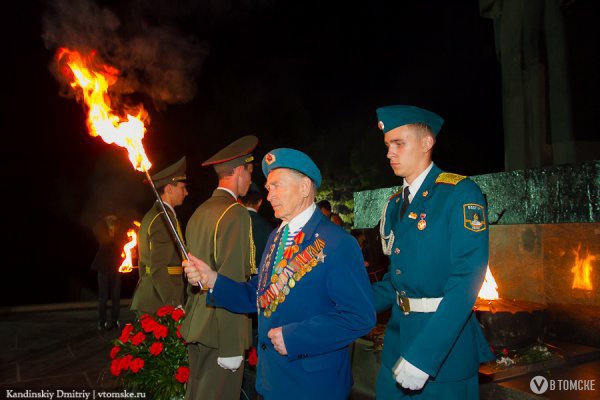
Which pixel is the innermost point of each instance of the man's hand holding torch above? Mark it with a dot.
(199, 273)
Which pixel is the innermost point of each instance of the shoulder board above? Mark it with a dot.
(395, 195)
(448, 178)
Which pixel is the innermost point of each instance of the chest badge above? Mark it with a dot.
(422, 224)
(412, 215)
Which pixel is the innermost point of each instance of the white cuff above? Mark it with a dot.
(230, 363)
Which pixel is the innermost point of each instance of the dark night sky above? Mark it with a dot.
(304, 74)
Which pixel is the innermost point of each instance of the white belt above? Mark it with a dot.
(425, 304)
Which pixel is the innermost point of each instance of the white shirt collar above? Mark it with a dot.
(301, 219)
(228, 191)
(251, 209)
(416, 185)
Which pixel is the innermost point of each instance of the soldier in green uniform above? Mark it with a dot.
(160, 259)
(220, 232)
(435, 233)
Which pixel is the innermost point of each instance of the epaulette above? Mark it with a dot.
(395, 195)
(449, 179)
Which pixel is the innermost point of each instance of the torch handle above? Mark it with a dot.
(168, 217)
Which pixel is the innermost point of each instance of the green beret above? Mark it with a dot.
(292, 159)
(233, 155)
(172, 174)
(391, 117)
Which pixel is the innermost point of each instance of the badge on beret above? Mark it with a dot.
(474, 217)
(270, 158)
(380, 125)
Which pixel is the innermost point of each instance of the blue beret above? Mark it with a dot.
(391, 117)
(292, 159)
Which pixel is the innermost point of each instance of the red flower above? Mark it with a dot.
(150, 354)
(137, 364)
(156, 348)
(252, 357)
(114, 351)
(123, 363)
(182, 374)
(114, 367)
(160, 331)
(177, 314)
(165, 310)
(138, 338)
(505, 352)
(148, 324)
(127, 329)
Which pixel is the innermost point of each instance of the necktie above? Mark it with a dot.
(282, 243)
(405, 201)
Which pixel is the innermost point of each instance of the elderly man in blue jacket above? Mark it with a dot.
(312, 292)
(435, 231)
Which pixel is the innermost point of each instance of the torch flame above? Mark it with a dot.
(127, 264)
(94, 79)
(582, 270)
(489, 288)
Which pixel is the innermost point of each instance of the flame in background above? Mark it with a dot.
(582, 270)
(489, 288)
(127, 264)
(94, 79)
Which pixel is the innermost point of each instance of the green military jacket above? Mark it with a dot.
(219, 233)
(161, 282)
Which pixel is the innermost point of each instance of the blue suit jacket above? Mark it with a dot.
(329, 308)
(440, 249)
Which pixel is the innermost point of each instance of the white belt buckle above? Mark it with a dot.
(424, 304)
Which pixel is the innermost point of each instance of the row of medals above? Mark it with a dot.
(280, 298)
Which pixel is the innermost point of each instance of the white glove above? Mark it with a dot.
(230, 363)
(409, 376)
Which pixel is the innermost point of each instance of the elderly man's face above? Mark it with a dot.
(287, 193)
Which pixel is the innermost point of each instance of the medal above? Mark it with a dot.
(267, 313)
(292, 282)
(422, 224)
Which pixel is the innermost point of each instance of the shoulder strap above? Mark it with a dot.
(449, 179)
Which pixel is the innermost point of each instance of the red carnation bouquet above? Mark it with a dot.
(150, 355)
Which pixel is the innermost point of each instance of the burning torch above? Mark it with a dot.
(94, 78)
